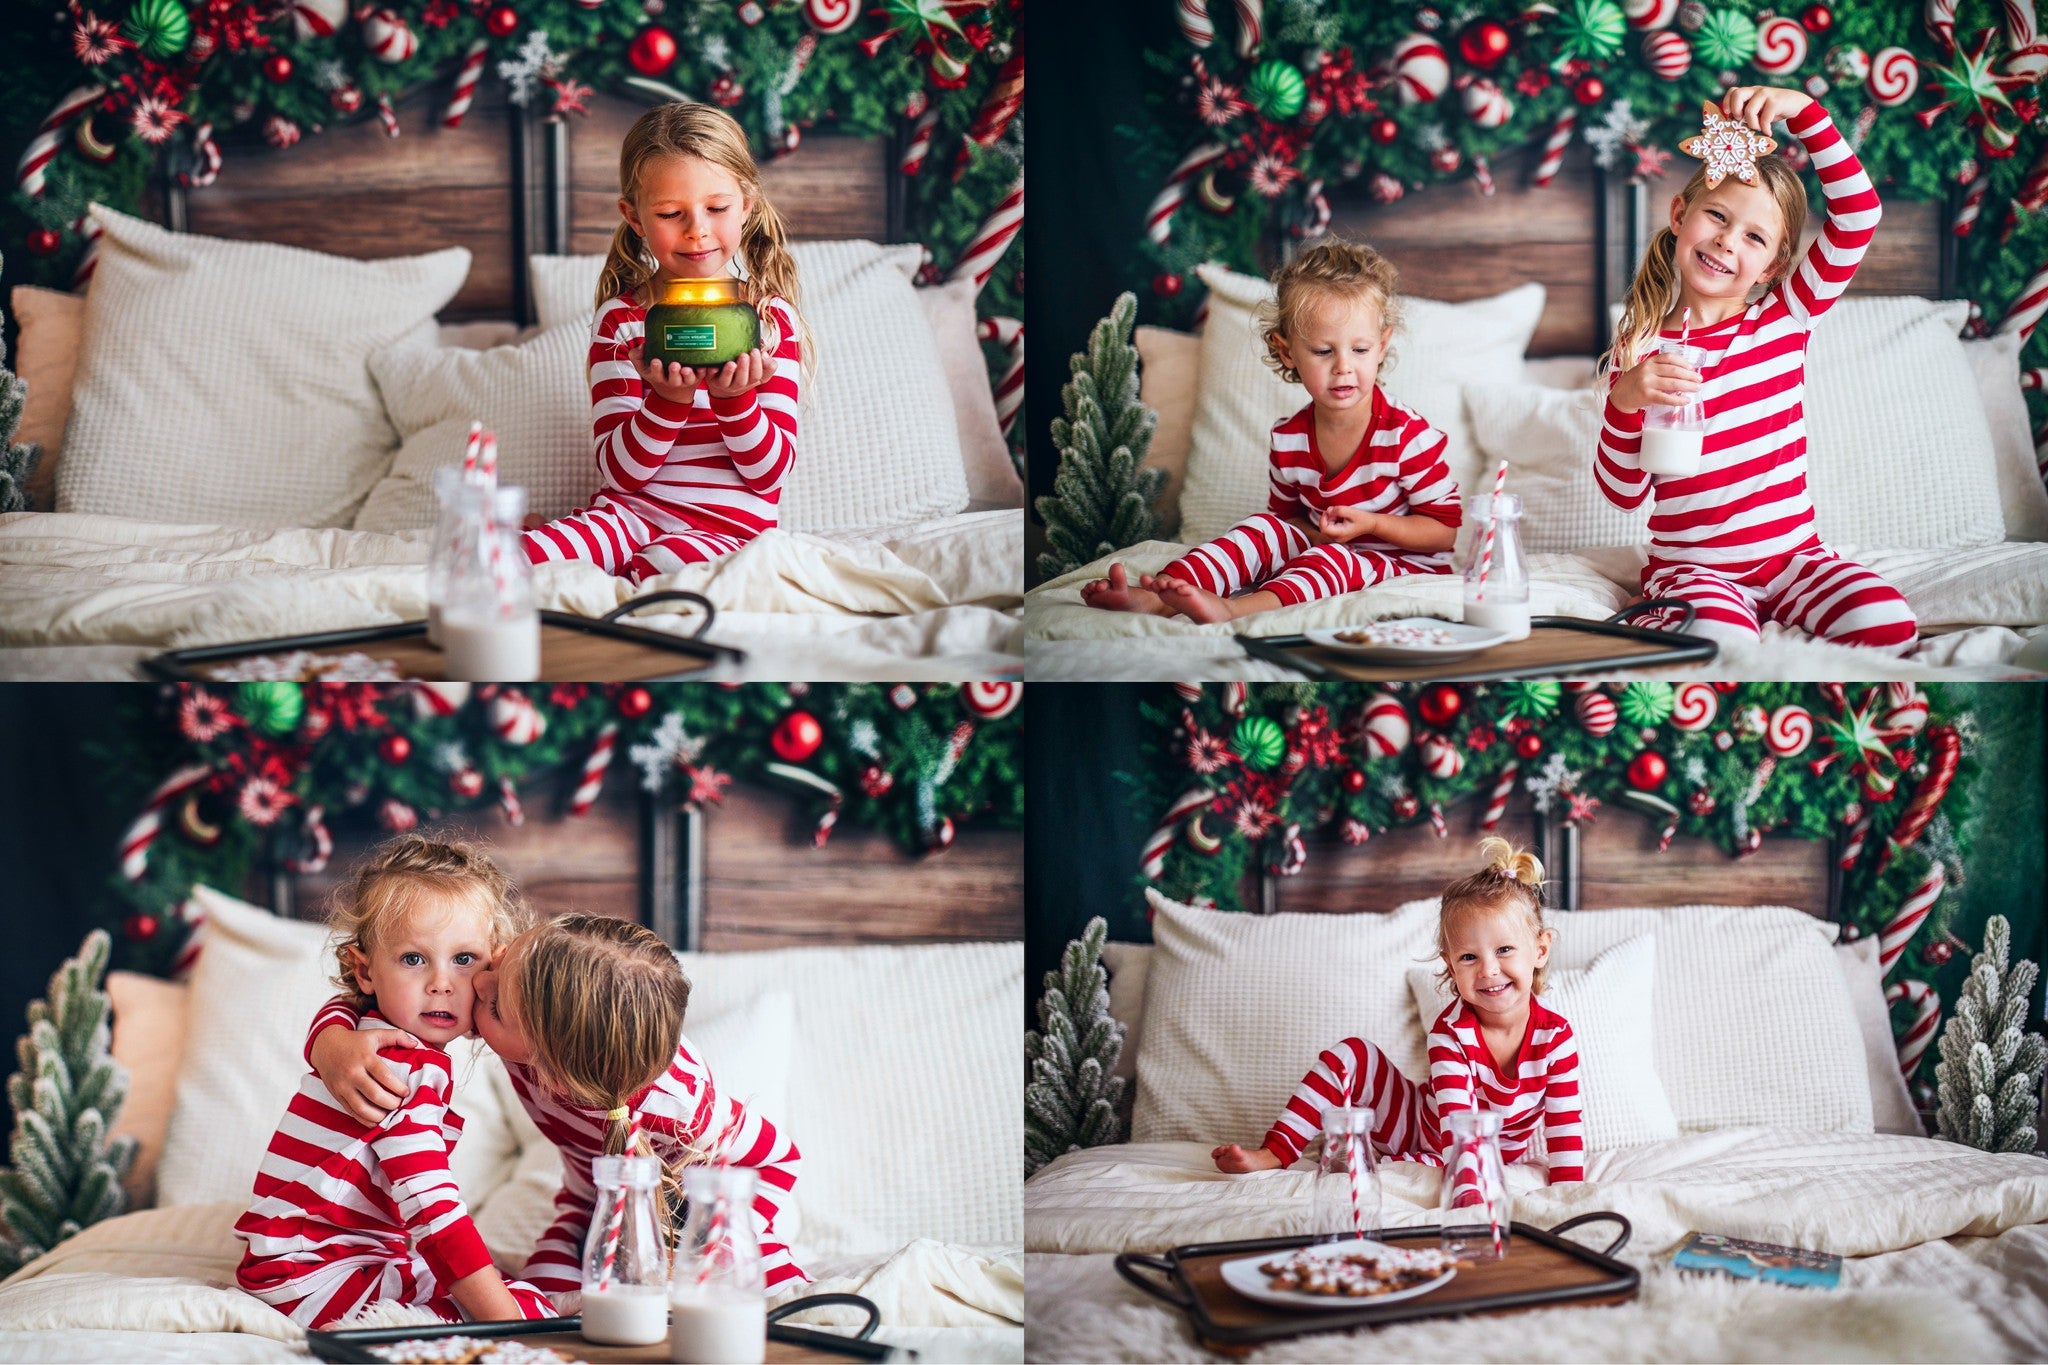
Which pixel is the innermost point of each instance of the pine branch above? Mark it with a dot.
(1989, 1077)
(1101, 499)
(1071, 1099)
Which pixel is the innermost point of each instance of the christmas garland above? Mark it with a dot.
(261, 769)
(1257, 113)
(1242, 774)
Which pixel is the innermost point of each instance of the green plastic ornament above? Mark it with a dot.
(1277, 89)
(270, 708)
(1260, 742)
(1727, 39)
(1645, 703)
(1537, 699)
(1590, 30)
(159, 28)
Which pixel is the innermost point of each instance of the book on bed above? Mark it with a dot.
(1759, 1261)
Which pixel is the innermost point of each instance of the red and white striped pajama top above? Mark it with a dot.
(1540, 1087)
(1398, 469)
(1737, 540)
(347, 1214)
(681, 1114)
(679, 483)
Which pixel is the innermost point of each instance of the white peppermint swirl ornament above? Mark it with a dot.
(1487, 105)
(1650, 14)
(1386, 725)
(1780, 46)
(831, 16)
(1596, 713)
(1668, 53)
(516, 719)
(1789, 731)
(1694, 705)
(991, 700)
(317, 18)
(1421, 68)
(1908, 713)
(388, 37)
(1441, 758)
(1894, 76)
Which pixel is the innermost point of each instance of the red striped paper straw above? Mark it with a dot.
(487, 461)
(1685, 326)
(1492, 524)
(1354, 1163)
(470, 449)
(613, 1225)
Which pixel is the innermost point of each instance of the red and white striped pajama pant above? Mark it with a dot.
(1814, 590)
(622, 542)
(1268, 551)
(333, 1284)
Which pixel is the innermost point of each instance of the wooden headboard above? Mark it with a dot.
(740, 875)
(1581, 237)
(507, 184)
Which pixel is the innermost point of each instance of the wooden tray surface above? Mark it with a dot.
(1555, 645)
(787, 1344)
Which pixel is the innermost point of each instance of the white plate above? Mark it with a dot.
(1465, 641)
(1246, 1278)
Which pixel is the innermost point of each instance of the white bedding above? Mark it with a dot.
(937, 599)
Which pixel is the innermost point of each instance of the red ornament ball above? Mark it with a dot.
(797, 736)
(1484, 44)
(1354, 781)
(1529, 744)
(1938, 953)
(141, 928)
(1724, 688)
(1383, 130)
(1590, 90)
(875, 780)
(940, 839)
(44, 242)
(278, 68)
(346, 99)
(1647, 770)
(1440, 706)
(1405, 807)
(467, 784)
(394, 748)
(1167, 285)
(653, 50)
(502, 21)
(1817, 18)
(635, 702)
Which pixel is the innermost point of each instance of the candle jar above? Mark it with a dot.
(1346, 1201)
(1674, 438)
(718, 1295)
(1474, 1208)
(1496, 582)
(704, 323)
(625, 1256)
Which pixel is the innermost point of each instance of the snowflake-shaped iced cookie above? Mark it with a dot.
(1728, 147)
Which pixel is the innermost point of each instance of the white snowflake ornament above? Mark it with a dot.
(1728, 147)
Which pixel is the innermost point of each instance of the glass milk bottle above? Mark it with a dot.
(1674, 437)
(625, 1256)
(1496, 580)
(490, 629)
(718, 1298)
(459, 501)
(1346, 1202)
(1474, 1209)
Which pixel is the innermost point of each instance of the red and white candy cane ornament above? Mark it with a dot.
(1694, 705)
(1926, 1014)
(831, 16)
(1940, 16)
(1972, 205)
(1188, 692)
(143, 832)
(1441, 758)
(195, 939)
(388, 37)
(1650, 14)
(1780, 46)
(1195, 24)
(42, 148)
(993, 238)
(1251, 16)
(1236, 698)
(1174, 193)
(317, 18)
(1497, 799)
(90, 230)
(1482, 177)
(1386, 725)
(1000, 108)
(1436, 820)
(2027, 309)
(1293, 854)
(508, 802)
(991, 700)
(1852, 845)
(205, 167)
(1009, 334)
(387, 116)
(1553, 148)
(1789, 731)
(322, 841)
(466, 77)
(1152, 860)
(1908, 713)
(920, 144)
(1944, 750)
(1421, 70)
(1894, 76)
(515, 718)
(591, 782)
(1899, 930)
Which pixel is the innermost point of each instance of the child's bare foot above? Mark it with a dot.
(1192, 602)
(1232, 1159)
(1117, 593)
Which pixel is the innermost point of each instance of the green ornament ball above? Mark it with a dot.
(1592, 30)
(1645, 703)
(1277, 89)
(1726, 39)
(1535, 699)
(1260, 742)
(160, 28)
(270, 708)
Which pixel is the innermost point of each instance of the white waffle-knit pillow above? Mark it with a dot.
(1238, 1006)
(228, 382)
(1439, 346)
(1753, 1025)
(1995, 360)
(912, 1123)
(531, 396)
(1609, 1008)
(1548, 436)
(877, 443)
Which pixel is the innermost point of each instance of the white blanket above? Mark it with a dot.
(945, 593)
(1984, 603)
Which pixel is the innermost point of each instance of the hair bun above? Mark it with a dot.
(1506, 861)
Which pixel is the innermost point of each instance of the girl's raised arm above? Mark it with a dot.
(1853, 210)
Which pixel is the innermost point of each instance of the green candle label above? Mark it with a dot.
(689, 338)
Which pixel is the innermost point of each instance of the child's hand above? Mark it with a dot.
(1657, 379)
(1232, 1159)
(677, 383)
(1759, 106)
(742, 375)
(1344, 524)
(346, 1062)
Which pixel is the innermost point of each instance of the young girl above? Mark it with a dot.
(587, 1013)
(1496, 1047)
(349, 1213)
(1360, 492)
(1737, 539)
(691, 462)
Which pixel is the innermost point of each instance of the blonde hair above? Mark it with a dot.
(1653, 293)
(1511, 875)
(1330, 269)
(402, 875)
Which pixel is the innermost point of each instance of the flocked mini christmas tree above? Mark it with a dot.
(1101, 500)
(1989, 1076)
(16, 462)
(66, 1175)
(1072, 1100)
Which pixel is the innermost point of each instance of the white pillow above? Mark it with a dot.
(1753, 1024)
(228, 382)
(1169, 369)
(877, 443)
(1548, 437)
(533, 398)
(992, 478)
(1439, 346)
(1995, 360)
(1609, 1006)
(256, 987)
(1128, 964)
(905, 1094)
(1891, 1104)
(1238, 1006)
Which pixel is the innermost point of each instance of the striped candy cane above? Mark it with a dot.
(205, 168)
(1497, 799)
(1852, 850)
(2027, 310)
(1553, 148)
(1894, 936)
(141, 834)
(1482, 175)
(1009, 334)
(1354, 1166)
(1188, 692)
(1250, 19)
(42, 148)
(979, 260)
(508, 801)
(1236, 696)
(920, 141)
(1004, 102)
(1194, 21)
(387, 116)
(594, 767)
(1174, 193)
(1436, 819)
(1152, 861)
(1972, 205)
(1293, 853)
(195, 939)
(323, 843)
(466, 77)
(1941, 23)
(89, 228)
(1926, 1014)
